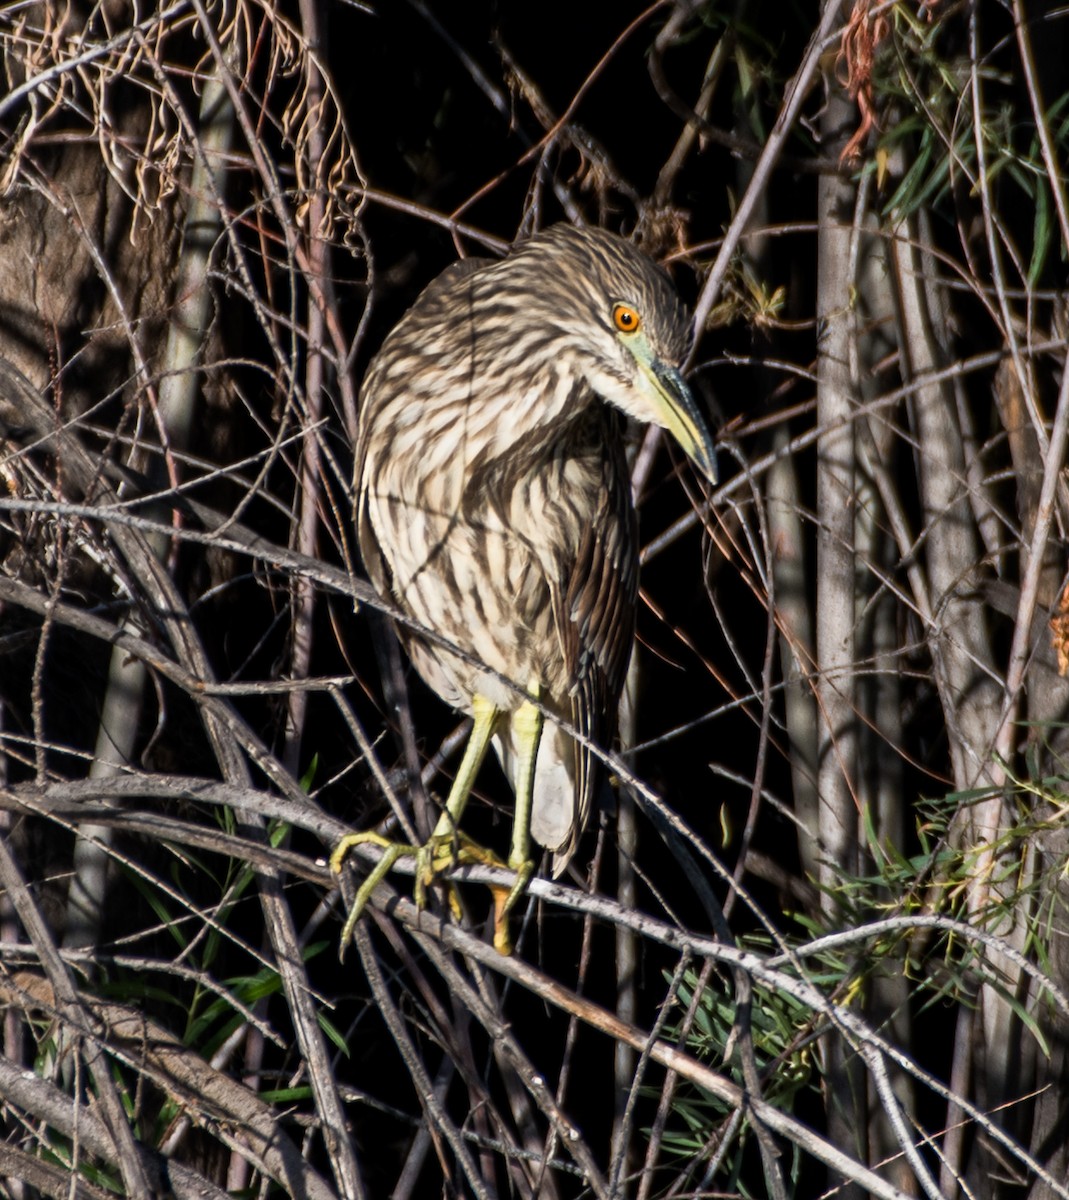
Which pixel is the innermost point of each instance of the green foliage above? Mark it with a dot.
(780, 1029)
(928, 96)
(946, 961)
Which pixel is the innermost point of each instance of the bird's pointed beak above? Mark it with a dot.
(678, 413)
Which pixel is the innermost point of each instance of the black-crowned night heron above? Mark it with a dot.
(494, 508)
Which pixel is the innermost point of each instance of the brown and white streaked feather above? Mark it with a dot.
(493, 500)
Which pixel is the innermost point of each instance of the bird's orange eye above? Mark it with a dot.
(626, 319)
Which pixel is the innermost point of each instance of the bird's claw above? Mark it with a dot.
(351, 840)
(505, 900)
(440, 853)
(391, 852)
(437, 854)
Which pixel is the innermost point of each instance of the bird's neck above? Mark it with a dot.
(582, 436)
(530, 422)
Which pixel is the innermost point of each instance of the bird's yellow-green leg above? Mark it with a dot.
(527, 730)
(438, 853)
(446, 844)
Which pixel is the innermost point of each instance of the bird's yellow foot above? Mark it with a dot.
(392, 851)
(439, 853)
(504, 898)
(503, 905)
(443, 851)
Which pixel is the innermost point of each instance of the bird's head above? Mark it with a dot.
(619, 322)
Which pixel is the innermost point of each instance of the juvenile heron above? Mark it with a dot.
(494, 508)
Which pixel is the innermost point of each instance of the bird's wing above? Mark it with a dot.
(452, 275)
(371, 400)
(594, 611)
(374, 563)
